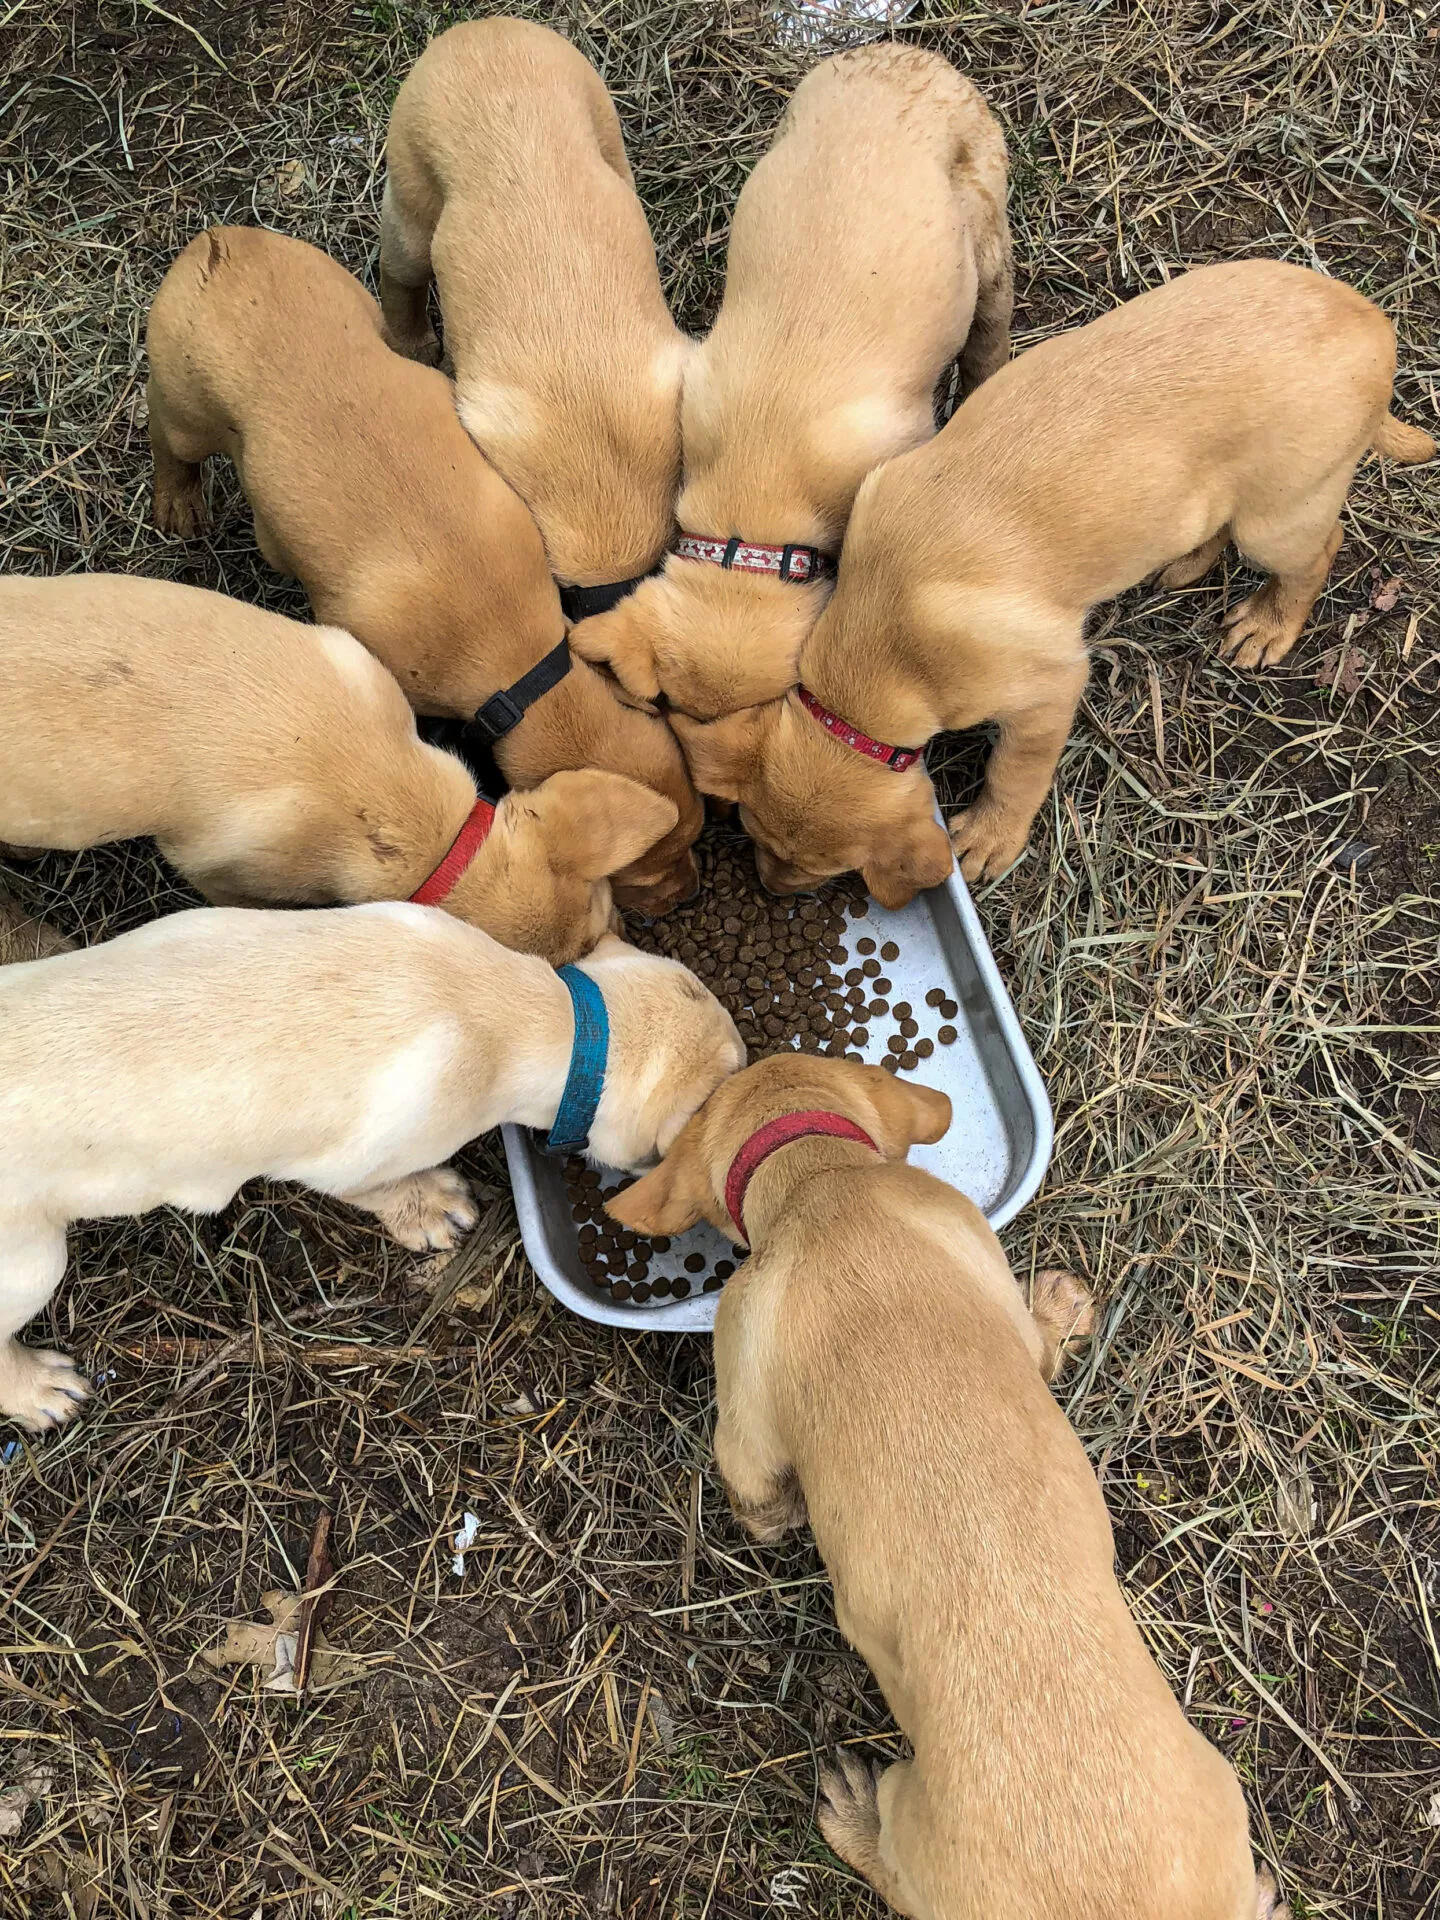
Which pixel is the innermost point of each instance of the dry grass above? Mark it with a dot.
(616, 1711)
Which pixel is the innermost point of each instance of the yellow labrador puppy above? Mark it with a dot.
(353, 1050)
(878, 1371)
(869, 247)
(1231, 405)
(507, 181)
(365, 488)
(275, 762)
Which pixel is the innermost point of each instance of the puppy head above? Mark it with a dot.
(815, 808)
(540, 882)
(671, 1045)
(641, 746)
(703, 640)
(689, 1183)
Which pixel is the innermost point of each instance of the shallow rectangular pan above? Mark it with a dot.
(996, 1151)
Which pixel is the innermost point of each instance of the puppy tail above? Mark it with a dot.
(1396, 441)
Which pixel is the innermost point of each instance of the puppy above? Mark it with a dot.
(878, 1371)
(353, 1051)
(507, 180)
(365, 487)
(279, 762)
(868, 249)
(1232, 404)
(22, 938)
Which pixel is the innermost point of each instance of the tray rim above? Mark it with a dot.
(697, 1314)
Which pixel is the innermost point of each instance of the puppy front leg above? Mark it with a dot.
(760, 1479)
(427, 1211)
(405, 275)
(989, 836)
(38, 1388)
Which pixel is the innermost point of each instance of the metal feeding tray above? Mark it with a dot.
(996, 1150)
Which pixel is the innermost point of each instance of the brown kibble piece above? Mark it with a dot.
(889, 951)
(909, 1061)
(902, 1009)
(871, 969)
(895, 1044)
(935, 996)
(662, 1245)
(882, 985)
(680, 1287)
(859, 1036)
(854, 977)
(713, 1285)
(949, 1008)
(865, 946)
(879, 1009)
(890, 1063)
(724, 1269)
(909, 1028)
(620, 1291)
(694, 1263)
(924, 1048)
(947, 1036)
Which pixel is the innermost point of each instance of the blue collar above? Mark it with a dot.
(588, 1058)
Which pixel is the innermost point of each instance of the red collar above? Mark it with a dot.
(773, 1135)
(744, 556)
(896, 758)
(467, 843)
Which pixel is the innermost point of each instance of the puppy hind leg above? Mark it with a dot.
(405, 275)
(987, 345)
(38, 1388)
(864, 1819)
(427, 1211)
(1064, 1312)
(1266, 625)
(179, 506)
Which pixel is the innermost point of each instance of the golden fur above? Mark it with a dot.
(1232, 404)
(275, 762)
(366, 489)
(353, 1050)
(507, 179)
(878, 1373)
(868, 249)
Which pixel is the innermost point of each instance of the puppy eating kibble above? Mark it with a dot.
(507, 180)
(275, 762)
(366, 488)
(868, 249)
(352, 1050)
(879, 1373)
(1231, 404)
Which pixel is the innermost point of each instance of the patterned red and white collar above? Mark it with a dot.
(896, 758)
(735, 555)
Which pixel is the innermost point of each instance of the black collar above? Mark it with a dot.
(505, 710)
(579, 603)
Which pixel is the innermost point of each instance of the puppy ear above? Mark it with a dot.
(912, 1115)
(624, 641)
(914, 859)
(672, 1197)
(723, 754)
(596, 823)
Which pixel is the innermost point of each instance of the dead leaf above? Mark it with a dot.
(290, 178)
(272, 1648)
(72, 1874)
(1344, 669)
(1384, 593)
(28, 1789)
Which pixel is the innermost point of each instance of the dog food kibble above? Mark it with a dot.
(793, 979)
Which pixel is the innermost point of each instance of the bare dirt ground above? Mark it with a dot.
(1223, 945)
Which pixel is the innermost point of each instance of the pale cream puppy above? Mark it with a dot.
(507, 180)
(365, 488)
(1231, 405)
(869, 247)
(276, 762)
(352, 1050)
(877, 1370)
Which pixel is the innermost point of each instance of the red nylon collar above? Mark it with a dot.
(779, 1133)
(467, 843)
(896, 758)
(747, 556)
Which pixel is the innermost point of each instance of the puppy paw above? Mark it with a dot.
(1064, 1313)
(180, 508)
(423, 346)
(39, 1389)
(986, 841)
(848, 1813)
(428, 1212)
(1253, 635)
